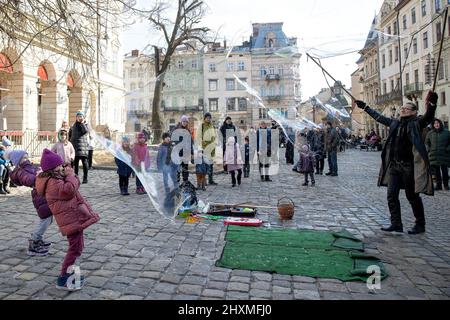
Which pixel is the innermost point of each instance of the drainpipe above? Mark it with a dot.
(98, 65)
(400, 57)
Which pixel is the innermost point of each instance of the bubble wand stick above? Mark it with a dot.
(440, 50)
(324, 70)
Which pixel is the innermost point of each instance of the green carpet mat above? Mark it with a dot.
(318, 254)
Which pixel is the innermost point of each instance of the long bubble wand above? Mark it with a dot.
(324, 70)
(440, 50)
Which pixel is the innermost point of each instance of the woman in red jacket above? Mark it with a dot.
(72, 213)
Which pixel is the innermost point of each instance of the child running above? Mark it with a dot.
(72, 213)
(24, 174)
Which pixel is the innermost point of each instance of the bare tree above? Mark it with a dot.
(178, 32)
(69, 28)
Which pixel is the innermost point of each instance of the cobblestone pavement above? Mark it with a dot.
(132, 253)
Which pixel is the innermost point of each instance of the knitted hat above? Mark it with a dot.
(184, 119)
(50, 160)
(80, 114)
(207, 115)
(227, 118)
(125, 139)
(140, 135)
(305, 148)
(6, 142)
(16, 156)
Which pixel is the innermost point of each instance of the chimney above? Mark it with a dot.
(135, 53)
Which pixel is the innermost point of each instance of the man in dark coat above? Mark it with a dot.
(79, 137)
(331, 145)
(438, 146)
(227, 128)
(405, 163)
(264, 154)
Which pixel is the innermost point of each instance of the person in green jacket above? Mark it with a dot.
(438, 146)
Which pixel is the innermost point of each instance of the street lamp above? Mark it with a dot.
(337, 88)
(38, 85)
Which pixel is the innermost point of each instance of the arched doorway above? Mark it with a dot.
(75, 93)
(46, 95)
(11, 91)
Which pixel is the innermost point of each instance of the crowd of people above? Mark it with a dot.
(409, 159)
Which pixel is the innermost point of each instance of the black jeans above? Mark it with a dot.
(210, 170)
(320, 164)
(246, 170)
(84, 161)
(401, 175)
(233, 176)
(124, 181)
(441, 173)
(311, 174)
(90, 156)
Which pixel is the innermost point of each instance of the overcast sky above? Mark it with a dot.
(330, 25)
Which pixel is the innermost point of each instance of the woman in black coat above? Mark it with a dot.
(79, 137)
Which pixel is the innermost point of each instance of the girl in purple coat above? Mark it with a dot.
(307, 164)
(24, 174)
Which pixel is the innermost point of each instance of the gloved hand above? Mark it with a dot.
(432, 98)
(361, 104)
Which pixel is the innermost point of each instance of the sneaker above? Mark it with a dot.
(62, 284)
(417, 229)
(334, 175)
(44, 244)
(37, 251)
(84, 181)
(394, 229)
(313, 184)
(212, 183)
(328, 174)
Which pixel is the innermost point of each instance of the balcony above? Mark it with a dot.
(182, 109)
(413, 88)
(273, 77)
(273, 98)
(139, 113)
(392, 96)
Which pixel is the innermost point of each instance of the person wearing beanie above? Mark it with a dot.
(24, 174)
(405, 162)
(79, 137)
(124, 170)
(140, 155)
(227, 130)
(206, 139)
(183, 130)
(64, 148)
(60, 187)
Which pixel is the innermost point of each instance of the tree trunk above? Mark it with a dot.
(157, 125)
